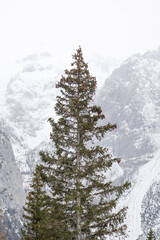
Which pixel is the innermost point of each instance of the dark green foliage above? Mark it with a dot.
(40, 216)
(35, 210)
(151, 235)
(81, 198)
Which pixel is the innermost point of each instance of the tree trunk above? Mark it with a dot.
(79, 233)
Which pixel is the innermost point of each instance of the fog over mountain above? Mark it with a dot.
(129, 96)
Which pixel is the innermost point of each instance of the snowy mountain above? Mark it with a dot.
(129, 97)
(29, 101)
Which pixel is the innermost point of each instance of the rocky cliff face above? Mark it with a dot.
(11, 188)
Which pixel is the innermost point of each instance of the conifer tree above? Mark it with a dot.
(76, 171)
(35, 210)
(151, 235)
(40, 219)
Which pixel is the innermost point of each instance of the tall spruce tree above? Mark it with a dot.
(76, 171)
(151, 235)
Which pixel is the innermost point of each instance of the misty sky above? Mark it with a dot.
(111, 28)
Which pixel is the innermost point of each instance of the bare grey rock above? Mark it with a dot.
(11, 189)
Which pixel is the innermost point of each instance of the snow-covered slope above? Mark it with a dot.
(146, 176)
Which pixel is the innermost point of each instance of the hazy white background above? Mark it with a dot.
(109, 28)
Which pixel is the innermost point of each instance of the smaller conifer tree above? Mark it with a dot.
(151, 235)
(41, 221)
(35, 210)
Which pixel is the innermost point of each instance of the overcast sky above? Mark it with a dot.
(111, 28)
